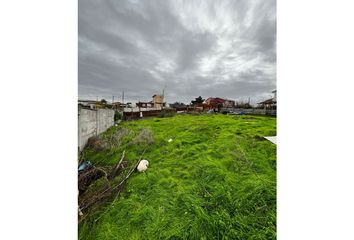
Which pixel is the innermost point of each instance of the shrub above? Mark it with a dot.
(145, 136)
(164, 114)
(96, 143)
(117, 116)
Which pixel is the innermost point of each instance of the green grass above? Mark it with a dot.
(215, 180)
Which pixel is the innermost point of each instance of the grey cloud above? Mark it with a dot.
(192, 48)
(208, 48)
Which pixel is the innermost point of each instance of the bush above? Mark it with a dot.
(166, 114)
(117, 116)
(145, 136)
(96, 143)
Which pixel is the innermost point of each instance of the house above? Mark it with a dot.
(221, 102)
(94, 104)
(144, 104)
(270, 103)
(229, 103)
(117, 105)
(87, 104)
(157, 101)
(202, 107)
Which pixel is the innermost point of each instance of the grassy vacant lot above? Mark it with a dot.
(215, 180)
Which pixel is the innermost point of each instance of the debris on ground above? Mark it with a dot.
(85, 165)
(80, 213)
(272, 139)
(117, 167)
(98, 184)
(143, 165)
(170, 140)
(86, 178)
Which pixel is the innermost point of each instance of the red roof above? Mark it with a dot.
(217, 100)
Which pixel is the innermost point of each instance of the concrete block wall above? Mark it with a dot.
(105, 119)
(93, 122)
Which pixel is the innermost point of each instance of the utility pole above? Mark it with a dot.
(163, 96)
(123, 102)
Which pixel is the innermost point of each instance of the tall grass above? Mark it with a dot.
(215, 180)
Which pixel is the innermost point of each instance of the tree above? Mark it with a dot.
(178, 103)
(117, 116)
(197, 100)
(103, 101)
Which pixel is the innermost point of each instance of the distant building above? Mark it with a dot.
(229, 103)
(270, 103)
(91, 104)
(157, 101)
(117, 105)
(145, 104)
(220, 102)
(87, 104)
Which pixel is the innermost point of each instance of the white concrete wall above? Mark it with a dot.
(105, 120)
(93, 122)
(137, 109)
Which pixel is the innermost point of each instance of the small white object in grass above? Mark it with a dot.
(80, 213)
(170, 140)
(78, 207)
(143, 164)
(272, 139)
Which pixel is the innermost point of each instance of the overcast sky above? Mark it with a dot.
(209, 48)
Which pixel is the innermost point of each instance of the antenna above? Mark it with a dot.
(163, 92)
